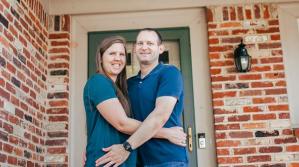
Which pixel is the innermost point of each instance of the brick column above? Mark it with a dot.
(23, 86)
(58, 91)
(252, 120)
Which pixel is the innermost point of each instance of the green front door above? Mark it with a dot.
(179, 35)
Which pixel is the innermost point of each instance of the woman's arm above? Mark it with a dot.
(114, 113)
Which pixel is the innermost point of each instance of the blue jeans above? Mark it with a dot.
(169, 164)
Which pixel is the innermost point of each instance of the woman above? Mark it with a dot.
(107, 109)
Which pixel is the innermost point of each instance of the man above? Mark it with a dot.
(156, 96)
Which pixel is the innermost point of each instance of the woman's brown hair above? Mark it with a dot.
(121, 80)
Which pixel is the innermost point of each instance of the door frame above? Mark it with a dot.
(179, 34)
(194, 18)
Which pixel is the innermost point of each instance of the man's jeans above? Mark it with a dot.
(169, 164)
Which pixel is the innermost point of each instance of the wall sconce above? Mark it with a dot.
(242, 58)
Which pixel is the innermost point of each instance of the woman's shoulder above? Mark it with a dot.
(99, 80)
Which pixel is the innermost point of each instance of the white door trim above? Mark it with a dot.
(193, 18)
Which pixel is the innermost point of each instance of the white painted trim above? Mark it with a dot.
(193, 18)
(288, 18)
(58, 7)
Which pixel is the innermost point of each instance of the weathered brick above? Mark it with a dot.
(259, 158)
(266, 133)
(244, 151)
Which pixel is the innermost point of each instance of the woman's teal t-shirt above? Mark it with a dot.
(100, 133)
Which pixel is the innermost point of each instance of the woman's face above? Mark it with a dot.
(114, 60)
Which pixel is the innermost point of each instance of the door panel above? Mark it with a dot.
(177, 53)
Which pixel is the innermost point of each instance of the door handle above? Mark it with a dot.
(190, 144)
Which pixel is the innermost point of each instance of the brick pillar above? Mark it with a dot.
(23, 82)
(252, 120)
(58, 91)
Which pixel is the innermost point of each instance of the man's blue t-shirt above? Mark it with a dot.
(163, 80)
(100, 133)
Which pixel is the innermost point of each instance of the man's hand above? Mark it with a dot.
(116, 155)
(177, 136)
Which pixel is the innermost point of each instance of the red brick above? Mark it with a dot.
(219, 119)
(218, 33)
(284, 115)
(269, 45)
(240, 31)
(225, 13)
(59, 36)
(251, 93)
(220, 135)
(220, 48)
(59, 103)
(7, 148)
(257, 11)
(250, 77)
(57, 150)
(285, 140)
(240, 13)
(260, 68)
(296, 132)
(263, 100)
(278, 67)
(228, 143)
(223, 78)
(287, 132)
(229, 160)
(224, 111)
(231, 40)
(292, 148)
(12, 160)
(209, 13)
(212, 26)
(58, 118)
(266, 11)
(224, 94)
(281, 83)
(294, 164)
(239, 118)
(230, 25)
(248, 14)
(273, 22)
(275, 37)
(214, 41)
(254, 125)
(218, 103)
(244, 151)
(221, 63)
(264, 116)
(259, 158)
(10, 88)
(268, 30)
(272, 149)
(241, 134)
(278, 107)
(222, 152)
(261, 84)
(227, 126)
(215, 71)
(276, 91)
(252, 109)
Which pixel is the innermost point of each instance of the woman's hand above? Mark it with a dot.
(176, 135)
(115, 155)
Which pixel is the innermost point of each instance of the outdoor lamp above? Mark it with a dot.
(242, 58)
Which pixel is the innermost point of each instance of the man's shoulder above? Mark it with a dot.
(168, 68)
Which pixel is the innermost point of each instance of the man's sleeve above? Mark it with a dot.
(170, 83)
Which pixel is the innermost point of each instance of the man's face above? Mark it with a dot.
(147, 47)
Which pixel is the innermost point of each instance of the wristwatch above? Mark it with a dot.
(127, 146)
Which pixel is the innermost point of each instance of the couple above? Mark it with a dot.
(156, 104)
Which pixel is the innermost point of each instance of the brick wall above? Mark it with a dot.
(252, 119)
(23, 82)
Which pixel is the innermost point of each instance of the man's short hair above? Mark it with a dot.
(153, 30)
